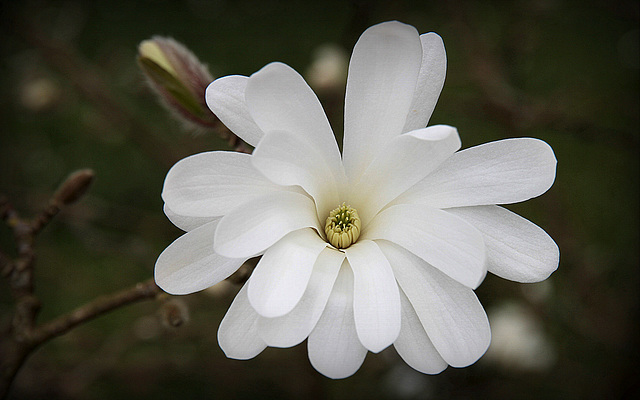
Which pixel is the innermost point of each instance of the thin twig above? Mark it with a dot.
(23, 336)
(104, 304)
(45, 216)
(6, 265)
(73, 187)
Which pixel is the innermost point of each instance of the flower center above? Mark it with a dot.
(342, 226)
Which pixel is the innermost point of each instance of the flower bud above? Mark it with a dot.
(174, 313)
(74, 186)
(179, 79)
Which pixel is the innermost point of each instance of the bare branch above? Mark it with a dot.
(68, 192)
(23, 336)
(63, 324)
(6, 265)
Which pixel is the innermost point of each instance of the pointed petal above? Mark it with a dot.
(213, 183)
(405, 160)
(252, 228)
(517, 249)
(450, 313)
(287, 159)
(237, 335)
(413, 343)
(445, 241)
(502, 172)
(383, 72)
(333, 345)
(430, 82)
(225, 97)
(184, 222)
(291, 329)
(189, 264)
(279, 99)
(281, 276)
(376, 300)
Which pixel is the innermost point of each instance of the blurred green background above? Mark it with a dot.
(73, 97)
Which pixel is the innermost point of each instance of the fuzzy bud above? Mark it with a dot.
(74, 186)
(179, 79)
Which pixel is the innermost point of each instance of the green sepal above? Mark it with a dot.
(169, 82)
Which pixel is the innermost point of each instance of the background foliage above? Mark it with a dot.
(73, 97)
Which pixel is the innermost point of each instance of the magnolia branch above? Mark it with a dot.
(103, 304)
(23, 335)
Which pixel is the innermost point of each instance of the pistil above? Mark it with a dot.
(342, 226)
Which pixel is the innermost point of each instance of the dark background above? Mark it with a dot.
(72, 97)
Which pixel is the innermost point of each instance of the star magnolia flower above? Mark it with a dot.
(382, 245)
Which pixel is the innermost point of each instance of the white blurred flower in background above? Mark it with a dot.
(328, 70)
(39, 93)
(518, 340)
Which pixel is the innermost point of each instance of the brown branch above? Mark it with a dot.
(104, 304)
(69, 191)
(6, 265)
(14, 343)
(23, 336)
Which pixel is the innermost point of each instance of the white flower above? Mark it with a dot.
(429, 224)
(328, 70)
(519, 340)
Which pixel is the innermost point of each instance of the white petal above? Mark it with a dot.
(333, 345)
(184, 222)
(213, 183)
(252, 228)
(291, 329)
(517, 249)
(445, 241)
(189, 264)
(450, 313)
(405, 160)
(430, 82)
(281, 276)
(502, 172)
(237, 334)
(413, 343)
(376, 301)
(225, 97)
(383, 72)
(288, 159)
(280, 100)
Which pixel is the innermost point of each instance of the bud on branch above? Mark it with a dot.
(179, 79)
(74, 186)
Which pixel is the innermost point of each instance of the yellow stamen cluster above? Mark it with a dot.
(342, 226)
